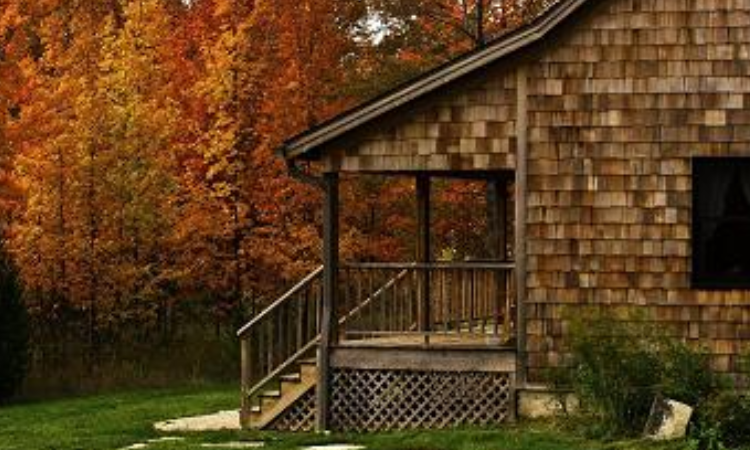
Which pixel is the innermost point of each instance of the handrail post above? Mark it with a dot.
(330, 291)
(423, 249)
(246, 374)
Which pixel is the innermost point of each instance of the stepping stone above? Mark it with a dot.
(137, 446)
(166, 439)
(334, 447)
(222, 420)
(233, 445)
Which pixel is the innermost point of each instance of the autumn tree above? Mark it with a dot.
(96, 160)
(137, 139)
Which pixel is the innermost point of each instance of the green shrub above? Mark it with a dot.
(728, 413)
(687, 375)
(13, 331)
(620, 363)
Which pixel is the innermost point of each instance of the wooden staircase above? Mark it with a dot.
(291, 386)
(278, 351)
(279, 346)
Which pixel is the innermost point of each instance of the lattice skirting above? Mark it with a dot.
(377, 400)
(300, 416)
(374, 400)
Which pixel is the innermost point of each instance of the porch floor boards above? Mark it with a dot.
(452, 341)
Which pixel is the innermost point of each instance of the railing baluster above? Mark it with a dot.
(509, 296)
(472, 300)
(448, 287)
(391, 311)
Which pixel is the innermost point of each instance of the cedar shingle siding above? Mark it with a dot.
(619, 102)
(618, 107)
(468, 127)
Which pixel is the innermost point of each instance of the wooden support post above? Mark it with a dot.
(497, 203)
(521, 185)
(423, 249)
(497, 206)
(330, 291)
(246, 374)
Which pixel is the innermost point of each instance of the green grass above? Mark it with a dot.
(113, 421)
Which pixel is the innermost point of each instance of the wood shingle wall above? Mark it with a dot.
(619, 102)
(617, 108)
(466, 128)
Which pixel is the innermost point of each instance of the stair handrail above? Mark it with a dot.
(378, 292)
(280, 301)
(250, 391)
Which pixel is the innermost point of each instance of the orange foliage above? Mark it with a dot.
(137, 140)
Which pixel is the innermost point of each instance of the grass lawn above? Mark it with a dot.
(114, 421)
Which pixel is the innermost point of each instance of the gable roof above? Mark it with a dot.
(341, 124)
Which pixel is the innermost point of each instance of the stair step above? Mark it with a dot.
(272, 407)
(291, 378)
(269, 399)
(308, 368)
(270, 394)
(255, 409)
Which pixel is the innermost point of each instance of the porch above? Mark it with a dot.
(370, 346)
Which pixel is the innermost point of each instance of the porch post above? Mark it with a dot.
(423, 248)
(330, 291)
(497, 203)
(521, 187)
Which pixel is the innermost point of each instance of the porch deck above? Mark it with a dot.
(439, 341)
(424, 327)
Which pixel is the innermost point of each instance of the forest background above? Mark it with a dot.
(140, 198)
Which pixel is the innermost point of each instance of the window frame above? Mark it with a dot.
(699, 278)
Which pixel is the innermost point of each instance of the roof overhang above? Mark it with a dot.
(316, 137)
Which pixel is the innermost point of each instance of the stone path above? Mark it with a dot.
(222, 420)
(220, 445)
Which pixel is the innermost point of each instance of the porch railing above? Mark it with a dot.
(443, 298)
(378, 300)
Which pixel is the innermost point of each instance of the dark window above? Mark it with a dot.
(721, 223)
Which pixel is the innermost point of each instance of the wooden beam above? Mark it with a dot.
(497, 207)
(330, 290)
(432, 359)
(497, 204)
(423, 248)
(521, 185)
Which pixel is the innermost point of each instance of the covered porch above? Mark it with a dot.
(427, 341)
(428, 325)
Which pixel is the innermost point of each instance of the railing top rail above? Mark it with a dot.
(270, 309)
(476, 265)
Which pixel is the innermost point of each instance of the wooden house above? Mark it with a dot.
(623, 127)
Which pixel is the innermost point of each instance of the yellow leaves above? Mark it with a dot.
(144, 146)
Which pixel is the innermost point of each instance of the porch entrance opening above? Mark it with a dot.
(431, 262)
